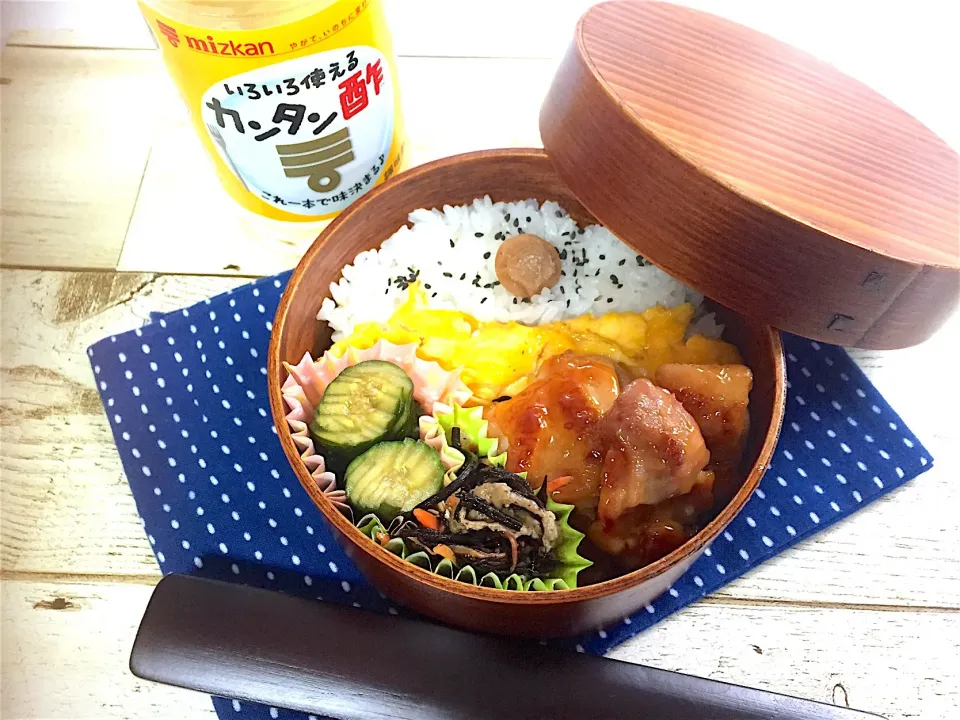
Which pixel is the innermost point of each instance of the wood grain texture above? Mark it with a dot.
(503, 175)
(66, 202)
(703, 143)
(899, 664)
(61, 473)
(66, 647)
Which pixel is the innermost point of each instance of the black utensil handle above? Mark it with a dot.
(339, 662)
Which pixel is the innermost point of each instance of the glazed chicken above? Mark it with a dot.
(646, 533)
(554, 425)
(716, 396)
(646, 460)
(654, 450)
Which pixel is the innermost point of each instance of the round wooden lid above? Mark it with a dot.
(757, 174)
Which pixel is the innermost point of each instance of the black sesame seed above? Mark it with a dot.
(563, 254)
(499, 236)
(526, 300)
(507, 217)
(639, 261)
(574, 272)
(386, 291)
(448, 275)
(562, 291)
(528, 218)
(488, 286)
(516, 223)
(434, 295)
(613, 279)
(603, 257)
(621, 263)
(426, 286)
(389, 280)
(478, 234)
(620, 286)
(565, 234)
(597, 274)
(483, 300)
(514, 301)
(609, 300)
(463, 277)
(568, 303)
(559, 214)
(486, 256)
(452, 244)
(563, 272)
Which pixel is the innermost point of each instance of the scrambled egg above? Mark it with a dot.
(502, 358)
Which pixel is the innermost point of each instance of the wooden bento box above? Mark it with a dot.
(735, 163)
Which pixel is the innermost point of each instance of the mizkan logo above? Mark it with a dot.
(210, 46)
(229, 48)
(169, 33)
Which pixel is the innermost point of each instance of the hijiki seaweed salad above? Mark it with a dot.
(514, 401)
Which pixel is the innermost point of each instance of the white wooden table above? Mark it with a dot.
(111, 213)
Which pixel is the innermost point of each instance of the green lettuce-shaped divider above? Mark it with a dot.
(370, 526)
(473, 430)
(569, 559)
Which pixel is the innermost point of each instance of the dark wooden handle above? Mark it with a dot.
(261, 646)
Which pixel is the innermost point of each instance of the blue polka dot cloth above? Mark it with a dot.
(186, 398)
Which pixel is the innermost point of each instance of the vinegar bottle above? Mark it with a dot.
(295, 101)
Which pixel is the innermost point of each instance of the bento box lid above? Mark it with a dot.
(757, 174)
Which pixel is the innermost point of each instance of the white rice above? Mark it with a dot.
(451, 253)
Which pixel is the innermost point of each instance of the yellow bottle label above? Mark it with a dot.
(300, 119)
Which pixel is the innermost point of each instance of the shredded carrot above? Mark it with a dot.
(427, 519)
(557, 483)
(445, 552)
(514, 550)
(383, 538)
(452, 502)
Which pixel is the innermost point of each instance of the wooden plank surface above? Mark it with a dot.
(887, 556)
(66, 505)
(898, 663)
(65, 652)
(865, 613)
(77, 127)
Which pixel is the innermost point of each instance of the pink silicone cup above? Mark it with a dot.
(307, 380)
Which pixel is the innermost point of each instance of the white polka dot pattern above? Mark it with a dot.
(186, 400)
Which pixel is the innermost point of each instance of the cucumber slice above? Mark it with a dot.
(365, 404)
(393, 477)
